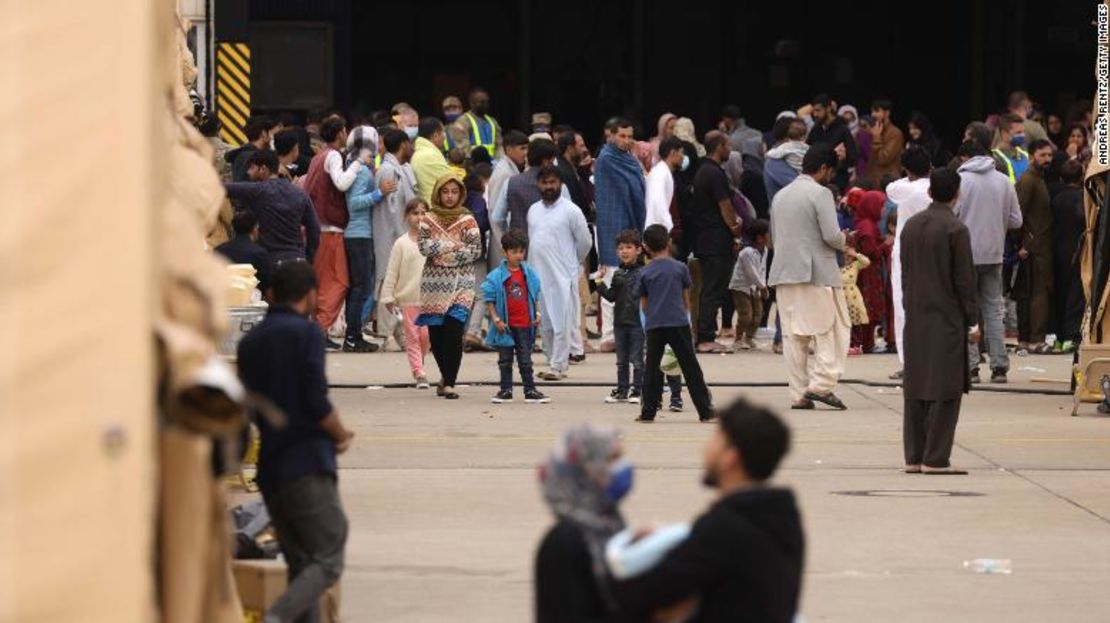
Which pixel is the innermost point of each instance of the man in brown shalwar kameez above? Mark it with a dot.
(1033, 290)
(939, 295)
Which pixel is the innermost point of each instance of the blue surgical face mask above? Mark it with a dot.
(620, 480)
(451, 116)
(411, 131)
(685, 163)
(1017, 140)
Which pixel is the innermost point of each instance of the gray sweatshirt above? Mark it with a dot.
(988, 206)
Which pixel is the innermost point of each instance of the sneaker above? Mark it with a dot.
(502, 397)
(332, 345)
(676, 405)
(634, 397)
(422, 382)
(577, 359)
(359, 346)
(535, 397)
(748, 344)
(617, 395)
(975, 380)
(552, 375)
(998, 376)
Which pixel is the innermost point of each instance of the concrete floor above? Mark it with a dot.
(445, 510)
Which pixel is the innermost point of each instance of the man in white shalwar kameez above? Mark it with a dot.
(911, 195)
(558, 241)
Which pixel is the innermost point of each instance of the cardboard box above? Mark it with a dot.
(261, 582)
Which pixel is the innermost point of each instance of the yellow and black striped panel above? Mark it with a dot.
(233, 89)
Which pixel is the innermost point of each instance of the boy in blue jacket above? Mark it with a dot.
(510, 292)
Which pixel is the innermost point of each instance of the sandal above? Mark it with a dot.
(440, 389)
(943, 471)
(829, 399)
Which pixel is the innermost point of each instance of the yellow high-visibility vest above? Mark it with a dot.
(476, 140)
(1009, 163)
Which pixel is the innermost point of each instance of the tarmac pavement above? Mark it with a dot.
(445, 511)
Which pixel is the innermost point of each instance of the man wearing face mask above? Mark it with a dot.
(1033, 288)
(408, 121)
(476, 127)
(1009, 155)
(744, 557)
(660, 182)
(559, 240)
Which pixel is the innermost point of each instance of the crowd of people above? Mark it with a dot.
(443, 234)
(338, 194)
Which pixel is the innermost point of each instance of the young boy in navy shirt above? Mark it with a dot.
(664, 291)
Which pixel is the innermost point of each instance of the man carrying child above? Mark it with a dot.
(664, 292)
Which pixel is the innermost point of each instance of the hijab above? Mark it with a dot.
(868, 212)
(662, 125)
(854, 124)
(447, 216)
(684, 130)
(573, 481)
(362, 144)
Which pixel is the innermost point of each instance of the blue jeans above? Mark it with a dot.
(630, 350)
(524, 340)
(989, 284)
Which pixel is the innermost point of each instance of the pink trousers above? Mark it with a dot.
(416, 340)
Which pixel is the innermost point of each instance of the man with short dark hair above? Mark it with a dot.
(559, 240)
(570, 151)
(288, 151)
(476, 127)
(1033, 288)
(810, 293)
(660, 182)
(326, 183)
(736, 127)
(887, 142)
(282, 210)
(259, 131)
(619, 200)
(282, 359)
(910, 195)
(1009, 154)
(244, 248)
(523, 190)
(717, 228)
(388, 216)
(1019, 103)
(744, 558)
(941, 316)
(508, 166)
(428, 162)
(829, 129)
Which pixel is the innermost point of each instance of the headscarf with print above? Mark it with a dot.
(362, 145)
(447, 216)
(574, 479)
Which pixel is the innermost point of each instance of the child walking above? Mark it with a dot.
(510, 293)
(749, 284)
(664, 290)
(628, 330)
(401, 289)
(854, 262)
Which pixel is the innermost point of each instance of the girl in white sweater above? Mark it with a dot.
(401, 289)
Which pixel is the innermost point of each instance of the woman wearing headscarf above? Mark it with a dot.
(868, 241)
(922, 134)
(684, 129)
(362, 146)
(450, 239)
(664, 130)
(583, 482)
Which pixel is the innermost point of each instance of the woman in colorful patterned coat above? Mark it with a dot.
(450, 239)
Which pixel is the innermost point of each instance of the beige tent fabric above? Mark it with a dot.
(1093, 180)
(77, 456)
